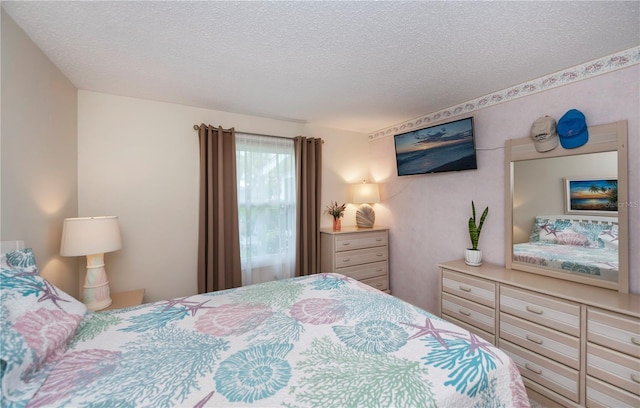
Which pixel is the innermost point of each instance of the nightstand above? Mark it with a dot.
(125, 299)
(360, 253)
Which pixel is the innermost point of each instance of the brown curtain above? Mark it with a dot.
(308, 153)
(218, 238)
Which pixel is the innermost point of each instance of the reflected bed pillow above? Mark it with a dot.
(37, 322)
(573, 233)
(610, 237)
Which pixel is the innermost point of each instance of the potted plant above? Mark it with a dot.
(337, 212)
(473, 256)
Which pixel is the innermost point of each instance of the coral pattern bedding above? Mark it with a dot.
(602, 263)
(318, 341)
(578, 247)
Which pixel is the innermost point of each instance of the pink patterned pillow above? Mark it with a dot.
(37, 322)
(572, 239)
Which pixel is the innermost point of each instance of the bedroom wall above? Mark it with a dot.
(428, 214)
(138, 159)
(38, 154)
(134, 163)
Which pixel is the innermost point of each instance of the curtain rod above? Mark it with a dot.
(197, 127)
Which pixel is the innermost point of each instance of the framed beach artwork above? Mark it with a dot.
(594, 196)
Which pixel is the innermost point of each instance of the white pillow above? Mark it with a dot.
(37, 320)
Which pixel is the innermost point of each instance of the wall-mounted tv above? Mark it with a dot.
(445, 147)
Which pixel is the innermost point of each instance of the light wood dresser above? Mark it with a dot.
(361, 254)
(575, 345)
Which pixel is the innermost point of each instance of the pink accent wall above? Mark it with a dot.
(428, 214)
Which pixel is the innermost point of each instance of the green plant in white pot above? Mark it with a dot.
(473, 256)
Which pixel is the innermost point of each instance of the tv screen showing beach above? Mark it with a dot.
(445, 147)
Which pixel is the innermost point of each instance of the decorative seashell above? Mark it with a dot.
(365, 216)
(232, 319)
(573, 240)
(317, 311)
(529, 259)
(373, 336)
(21, 259)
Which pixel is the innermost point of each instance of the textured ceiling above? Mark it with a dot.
(358, 66)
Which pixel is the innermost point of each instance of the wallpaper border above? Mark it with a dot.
(589, 69)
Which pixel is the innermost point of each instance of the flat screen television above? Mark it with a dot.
(445, 147)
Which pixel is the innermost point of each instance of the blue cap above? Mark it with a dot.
(572, 129)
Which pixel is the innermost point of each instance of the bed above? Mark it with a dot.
(322, 340)
(584, 245)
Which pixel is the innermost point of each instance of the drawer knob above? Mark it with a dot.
(379, 254)
(346, 243)
(534, 310)
(378, 239)
(464, 288)
(635, 340)
(464, 312)
(534, 339)
(531, 368)
(635, 378)
(346, 259)
(379, 270)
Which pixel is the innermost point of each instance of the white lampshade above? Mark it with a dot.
(365, 193)
(90, 235)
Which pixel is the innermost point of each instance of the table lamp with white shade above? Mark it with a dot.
(92, 237)
(365, 194)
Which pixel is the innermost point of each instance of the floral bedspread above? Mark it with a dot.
(599, 262)
(318, 341)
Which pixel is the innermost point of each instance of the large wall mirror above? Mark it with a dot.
(566, 209)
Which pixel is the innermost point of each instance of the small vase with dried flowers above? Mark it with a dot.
(337, 212)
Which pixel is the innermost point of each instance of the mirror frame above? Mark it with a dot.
(602, 138)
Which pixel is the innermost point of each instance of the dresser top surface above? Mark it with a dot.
(348, 230)
(589, 295)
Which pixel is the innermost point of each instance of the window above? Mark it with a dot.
(266, 207)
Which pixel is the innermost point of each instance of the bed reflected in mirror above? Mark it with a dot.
(544, 235)
(566, 215)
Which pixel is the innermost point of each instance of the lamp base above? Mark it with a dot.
(365, 216)
(95, 291)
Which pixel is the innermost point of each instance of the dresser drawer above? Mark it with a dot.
(474, 289)
(471, 313)
(546, 372)
(550, 343)
(380, 283)
(348, 242)
(615, 331)
(615, 368)
(545, 310)
(366, 271)
(473, 329)
(360, 256)
(603, 395)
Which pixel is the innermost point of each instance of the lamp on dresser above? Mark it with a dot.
(365, 194)
(92, 237)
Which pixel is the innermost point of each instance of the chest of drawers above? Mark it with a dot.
(362, 254)
(542, 335)
(575, 346)
(470, 303)
(613, 359)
